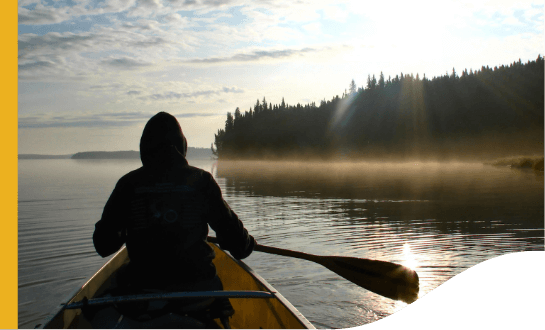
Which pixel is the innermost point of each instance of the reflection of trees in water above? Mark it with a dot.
(467, 201)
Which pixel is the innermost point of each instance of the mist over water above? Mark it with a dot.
(439, 219)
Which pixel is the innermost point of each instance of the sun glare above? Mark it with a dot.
(409, 259)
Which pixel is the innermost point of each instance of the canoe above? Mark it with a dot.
(242, 285)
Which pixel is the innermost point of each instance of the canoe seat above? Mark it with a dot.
(194, 312)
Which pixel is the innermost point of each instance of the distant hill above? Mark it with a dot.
(107, 155)
(36, 156)
(199, 153)
(192, 153)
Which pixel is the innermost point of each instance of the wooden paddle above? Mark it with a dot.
(387, 279)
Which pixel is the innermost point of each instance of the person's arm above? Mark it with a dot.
(109, 235)
(230, 231)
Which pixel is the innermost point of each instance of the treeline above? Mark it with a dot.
(489, 112)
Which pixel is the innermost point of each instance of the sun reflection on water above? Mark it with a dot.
(409, 258)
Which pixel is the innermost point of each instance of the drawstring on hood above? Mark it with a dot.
(162, 140)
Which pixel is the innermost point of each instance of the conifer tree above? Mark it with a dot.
(238, 116)
(229, 123)
(352, 87)
(257, 107)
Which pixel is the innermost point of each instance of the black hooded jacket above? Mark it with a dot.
(162, 211)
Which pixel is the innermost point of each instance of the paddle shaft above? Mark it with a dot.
(388, 279)
(278, 251)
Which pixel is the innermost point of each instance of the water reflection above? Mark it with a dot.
(409, 259)
(434, 218)
(468, 198)
(444, 219)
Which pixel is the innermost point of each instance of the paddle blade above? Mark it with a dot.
(387, 279)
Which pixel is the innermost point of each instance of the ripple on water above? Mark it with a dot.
(443, 220)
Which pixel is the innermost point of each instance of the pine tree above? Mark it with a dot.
(237, 115)
(229, 123)
(352, 87)
(257, 107)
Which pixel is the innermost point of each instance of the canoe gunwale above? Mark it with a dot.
(58, 315)
(298, 315)
(73, 295)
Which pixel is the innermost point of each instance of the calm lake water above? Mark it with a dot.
(438, 219)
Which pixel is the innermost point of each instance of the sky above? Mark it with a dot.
(92, 72)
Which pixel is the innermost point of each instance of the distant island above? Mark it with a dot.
(37, 156)
(192, 153)
(107, 155)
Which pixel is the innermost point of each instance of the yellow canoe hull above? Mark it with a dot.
(250, 313)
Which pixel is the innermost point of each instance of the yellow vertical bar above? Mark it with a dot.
(8, 136)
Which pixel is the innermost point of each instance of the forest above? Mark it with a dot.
(476, 114)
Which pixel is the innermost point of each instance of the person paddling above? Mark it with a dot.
(162, 211)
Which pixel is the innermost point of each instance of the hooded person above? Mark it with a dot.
(162, 211)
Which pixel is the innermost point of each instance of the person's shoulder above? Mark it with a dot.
(196, 171)
(132, 175)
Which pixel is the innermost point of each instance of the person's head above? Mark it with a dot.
(162, 135)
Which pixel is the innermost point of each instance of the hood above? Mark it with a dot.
(162, 140)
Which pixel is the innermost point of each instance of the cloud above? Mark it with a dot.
(154, 4)
(124, 63)
(192, 115)
(36, 65)
(65, 122)
(255, 56)
(314, 28)
(24, 3)
(335, 13)
(115, 6)
(167, 96)
(512, 21)
(53, 42)
(43, 65)
(177, 96)
(175, 17)
(84, 53)
(104, 119)
(232, 90)
(43, 15)
(146, 8)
